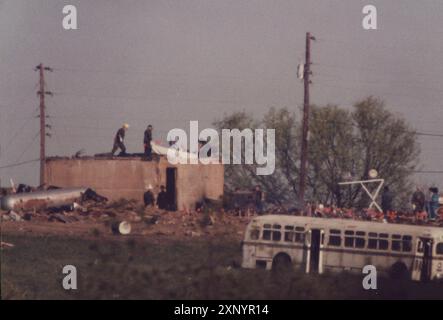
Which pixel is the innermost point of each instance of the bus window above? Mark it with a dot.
(266, 234)
(355, 240)
(400, 243)
(349, 238)
(383, 242)
(273, 233)
(372, 241)
(378, 241)
(334, 237)
(440, 248)
(255, 234)
(276, 235)
(407, 244)
(396, 242)
(299, 234)
(360, 241)
(289, 233)
(296, 234)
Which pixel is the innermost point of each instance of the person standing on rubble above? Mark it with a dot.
(148, 197)
(147, 142)
(119, 140)
(162, 199)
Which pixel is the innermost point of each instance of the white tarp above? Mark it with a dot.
(181, 156)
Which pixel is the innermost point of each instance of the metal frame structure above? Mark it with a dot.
(371, 196)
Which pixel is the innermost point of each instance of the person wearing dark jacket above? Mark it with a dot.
(418, 200)
(148, 197)
(162, 199)
(119, 140)
(258, 200)
(386, 201)
(147, 142)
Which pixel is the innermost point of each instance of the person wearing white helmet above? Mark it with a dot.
(119, 140)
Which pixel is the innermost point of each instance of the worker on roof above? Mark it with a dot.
(119, 140)
(147, 138)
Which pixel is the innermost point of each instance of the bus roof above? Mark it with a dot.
(331, 223)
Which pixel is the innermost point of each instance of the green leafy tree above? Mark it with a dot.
(332, 152)
(389, 145)
(343, 144)
(281, 186)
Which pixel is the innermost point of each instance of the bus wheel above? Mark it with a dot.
(398, 271)
(281, 263)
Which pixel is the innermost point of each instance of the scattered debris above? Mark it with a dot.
(78, 207)
(59, 217)
(24, 188)
(79, 153)
(90, 194)
(15, 216)
(121, 227)
(192, 234)
(6, 245)
(41, 200)
(152, 219)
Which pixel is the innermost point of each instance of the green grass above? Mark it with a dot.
(165, 269)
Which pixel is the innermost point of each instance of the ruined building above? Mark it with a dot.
(129, 177)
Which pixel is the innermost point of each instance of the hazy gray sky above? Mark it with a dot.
(168, 62)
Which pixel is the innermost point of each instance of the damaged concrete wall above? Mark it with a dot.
(128, 178)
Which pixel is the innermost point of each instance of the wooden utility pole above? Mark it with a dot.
(42, 94)
(305, 126)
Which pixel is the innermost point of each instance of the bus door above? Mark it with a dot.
(421, 269)
(427, 259)
(314, 253)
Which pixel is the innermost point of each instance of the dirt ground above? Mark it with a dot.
(180, 227)
(167, 255)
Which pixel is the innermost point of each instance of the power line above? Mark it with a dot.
(19, 164)
(17, 133)
(168, 75)
(145, 98)
(429, 134)
(428, 171)
(27, 147)
(404, 85)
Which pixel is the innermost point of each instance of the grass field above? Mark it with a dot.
(140, 268)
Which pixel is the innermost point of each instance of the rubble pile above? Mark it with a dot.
(96, 210)
(91, 211)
